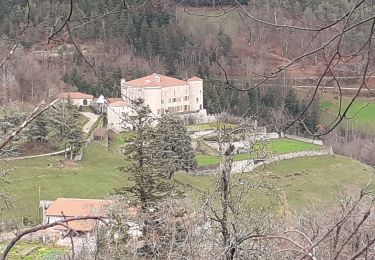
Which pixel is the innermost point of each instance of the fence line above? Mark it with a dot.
(39, 155)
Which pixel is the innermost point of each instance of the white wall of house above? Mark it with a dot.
(80, 101)
(175, 99)
(52, 219)
(114, 118)
(152, 97)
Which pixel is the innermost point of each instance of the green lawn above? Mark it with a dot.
(94, 177)
(277, 146)
(282, 146)
(362, 111)
(304, 180)
(318, 180)
(204, 159)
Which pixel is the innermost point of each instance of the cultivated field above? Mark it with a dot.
(30, 251)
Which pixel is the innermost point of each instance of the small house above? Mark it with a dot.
(63, 208)
(79, 99)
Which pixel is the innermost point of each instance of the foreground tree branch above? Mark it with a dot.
(13, 242)
(37, 112)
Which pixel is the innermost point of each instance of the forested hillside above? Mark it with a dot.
(221, 41)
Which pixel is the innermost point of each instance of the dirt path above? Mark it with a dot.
(92, 119)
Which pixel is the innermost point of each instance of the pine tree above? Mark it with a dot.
(37, 129)
(9, 121)
(291, 103)
(172, 146)
(149, 183)
(312, 118)
(65, 126)
(225, 43)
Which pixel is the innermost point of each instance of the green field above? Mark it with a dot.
(277, 146)
(307, 181)
(94, 177)
(362, 111)
(97, 175)
(282, 146)
(318, 180)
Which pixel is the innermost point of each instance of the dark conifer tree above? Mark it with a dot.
(149, 183)
(172, 146)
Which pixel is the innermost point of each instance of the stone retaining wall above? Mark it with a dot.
(249, 165)
(304, 139)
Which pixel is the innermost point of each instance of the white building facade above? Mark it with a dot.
(116, 108)
(166, 94)
(162, 94)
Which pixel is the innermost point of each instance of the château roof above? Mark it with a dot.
(156, 80)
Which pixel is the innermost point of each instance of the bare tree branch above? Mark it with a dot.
(37, 111)
(13, 242)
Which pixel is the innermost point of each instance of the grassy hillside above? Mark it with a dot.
(305, 181)
(97, 175)
(94, 177)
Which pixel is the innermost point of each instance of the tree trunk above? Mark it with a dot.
(225, 201)
(170, 175)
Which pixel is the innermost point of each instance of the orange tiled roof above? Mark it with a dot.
(119, 103)
(77, 207)
(86, 225)
(75, 95)
(156, 80)
(195, 79)
(112, 100)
